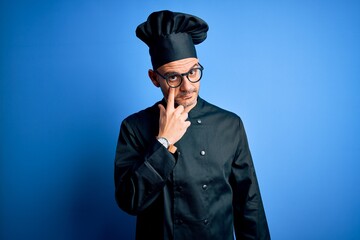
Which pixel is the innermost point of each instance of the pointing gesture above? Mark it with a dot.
(172, 121)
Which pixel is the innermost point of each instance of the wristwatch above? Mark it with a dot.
(164, 142)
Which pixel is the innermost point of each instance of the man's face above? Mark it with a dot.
(186, 94)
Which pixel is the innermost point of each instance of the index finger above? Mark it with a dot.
(171, 99)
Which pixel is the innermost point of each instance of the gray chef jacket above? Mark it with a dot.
(206, 190)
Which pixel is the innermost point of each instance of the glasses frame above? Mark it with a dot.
(201, 68)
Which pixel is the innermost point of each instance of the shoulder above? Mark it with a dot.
(142, 117)
(215, 110)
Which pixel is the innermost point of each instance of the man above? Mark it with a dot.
(183, 166)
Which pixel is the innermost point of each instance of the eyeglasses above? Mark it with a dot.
(175, 79)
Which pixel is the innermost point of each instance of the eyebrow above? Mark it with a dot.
(167, 73)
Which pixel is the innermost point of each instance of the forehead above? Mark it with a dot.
(182, 65)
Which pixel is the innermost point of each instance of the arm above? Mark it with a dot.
(142, 169)
(249, 215)
(139, 175)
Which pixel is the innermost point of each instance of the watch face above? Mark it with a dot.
(164, 142)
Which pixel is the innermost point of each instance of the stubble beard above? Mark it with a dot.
(192, 102)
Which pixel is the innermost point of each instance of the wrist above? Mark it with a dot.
(170, 147)
(163, 141)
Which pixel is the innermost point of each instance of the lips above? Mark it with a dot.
(186, 95)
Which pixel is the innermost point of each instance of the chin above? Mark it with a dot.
(188, 103)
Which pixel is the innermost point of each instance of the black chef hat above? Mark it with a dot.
(171, 36)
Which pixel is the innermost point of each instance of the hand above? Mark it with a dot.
(172, 121)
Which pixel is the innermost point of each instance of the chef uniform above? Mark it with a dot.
(208, 188)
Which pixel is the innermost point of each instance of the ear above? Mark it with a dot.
(153, 78)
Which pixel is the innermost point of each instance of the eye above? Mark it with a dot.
(172, 78)
(193, 72)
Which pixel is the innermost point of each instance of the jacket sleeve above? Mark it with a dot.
(140, 171)
(249, 214)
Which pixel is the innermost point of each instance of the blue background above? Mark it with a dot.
(72, 70)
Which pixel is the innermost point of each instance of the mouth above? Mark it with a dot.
(186, 96)
(186, 99)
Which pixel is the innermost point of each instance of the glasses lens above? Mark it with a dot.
(174, 80)
(194, 74)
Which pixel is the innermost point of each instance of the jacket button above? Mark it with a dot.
(206, 221)
(204, 186)
(202, 153)
(199, 121)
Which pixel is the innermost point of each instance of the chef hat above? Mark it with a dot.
(171, 36)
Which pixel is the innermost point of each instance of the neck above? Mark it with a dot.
(191, 106)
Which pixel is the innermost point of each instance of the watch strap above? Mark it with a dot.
(170, 147)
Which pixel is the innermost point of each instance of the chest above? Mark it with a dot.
(205, 152)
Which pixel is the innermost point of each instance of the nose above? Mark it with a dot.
(186, 85)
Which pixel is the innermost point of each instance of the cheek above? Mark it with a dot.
(197, 85)
(164, 90)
